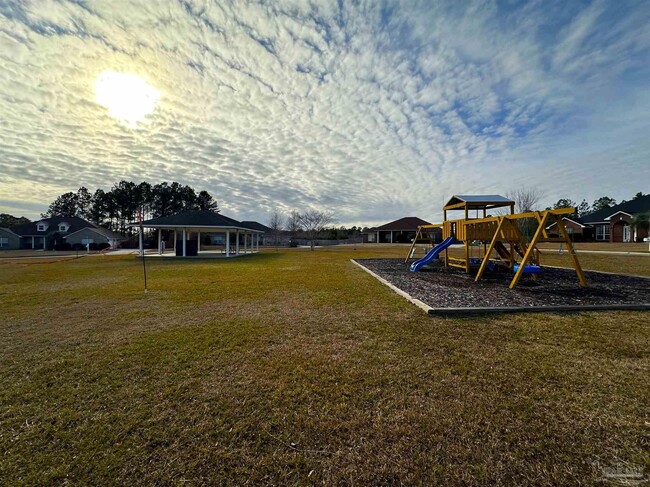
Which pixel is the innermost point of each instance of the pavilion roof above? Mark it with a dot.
(194, 219)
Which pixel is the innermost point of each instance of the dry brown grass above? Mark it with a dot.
(296, 367)
(602, 246)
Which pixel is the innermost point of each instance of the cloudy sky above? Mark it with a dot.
(374, 110)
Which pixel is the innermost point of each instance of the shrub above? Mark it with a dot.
(63, 246)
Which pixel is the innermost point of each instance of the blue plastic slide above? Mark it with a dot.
(432, 254)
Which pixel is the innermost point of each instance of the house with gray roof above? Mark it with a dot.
(50, 232)
(616, 224)
(398, 231)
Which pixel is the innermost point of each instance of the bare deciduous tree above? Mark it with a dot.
(313, 222)
(526, 199)
(276, 224)
(293, 223)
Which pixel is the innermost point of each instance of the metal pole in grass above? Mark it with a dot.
(144, 265)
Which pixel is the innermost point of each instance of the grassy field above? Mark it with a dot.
(296, 367)
(601, 246)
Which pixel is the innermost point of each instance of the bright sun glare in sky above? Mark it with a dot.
(128, 97)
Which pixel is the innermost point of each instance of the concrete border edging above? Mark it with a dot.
(539, 309)
(420, 304)
(495, 310)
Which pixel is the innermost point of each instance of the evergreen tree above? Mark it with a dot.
(205, 201)
(84, 203)
(602, 203)
(64, 205)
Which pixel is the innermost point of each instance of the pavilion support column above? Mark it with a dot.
(227, 243)
(198, 241)
(184, 242)
(245, 242)
(391, 236)
(159, 241)
(175, 237)
(33, 243)
(257, 242)
(237, 242)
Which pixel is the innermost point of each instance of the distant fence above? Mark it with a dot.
(326, 242)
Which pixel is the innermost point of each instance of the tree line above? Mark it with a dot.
(122, 204)
(528, 199)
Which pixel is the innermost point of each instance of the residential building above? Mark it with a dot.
(55, 231)
(8, 239)
(615, 224)
(398, 231)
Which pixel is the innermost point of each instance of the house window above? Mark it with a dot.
(41, 227)
(86, 241)
(602, 233)
(4, 242)
(63, 228)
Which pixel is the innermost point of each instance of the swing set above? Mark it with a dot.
(503, 235)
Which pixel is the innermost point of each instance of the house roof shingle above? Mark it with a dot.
(409, 223)
(633, 207)
(75, 224)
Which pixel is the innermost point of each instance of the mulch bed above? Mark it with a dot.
(448, 287)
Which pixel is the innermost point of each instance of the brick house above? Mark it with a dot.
(615, 224)
(398, 231)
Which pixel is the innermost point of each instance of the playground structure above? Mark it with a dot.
(501, 234)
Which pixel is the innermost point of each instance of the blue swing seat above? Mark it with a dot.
(529, 269)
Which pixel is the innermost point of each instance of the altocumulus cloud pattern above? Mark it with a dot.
(370, 109)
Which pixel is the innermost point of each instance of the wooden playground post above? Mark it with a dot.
(466, 240)
(572, 252)
(408, 256)
(486, 258)
(484, 244)
(443, 237)
(529, 251)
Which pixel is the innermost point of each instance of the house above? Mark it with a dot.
(615, 224)
(56, 231)
(398, 231)
(8, 239)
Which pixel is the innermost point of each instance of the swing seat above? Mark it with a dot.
(529, 269)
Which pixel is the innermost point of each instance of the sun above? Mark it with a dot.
(127, 97)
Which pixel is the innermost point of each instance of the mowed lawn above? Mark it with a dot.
(296, 367)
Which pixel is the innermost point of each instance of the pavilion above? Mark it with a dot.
(238, 238)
